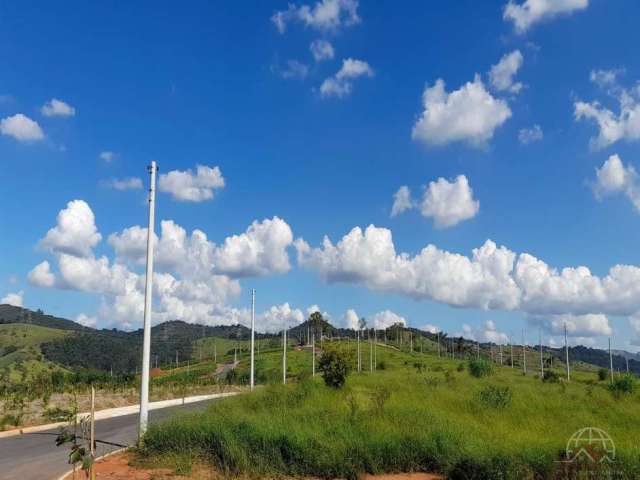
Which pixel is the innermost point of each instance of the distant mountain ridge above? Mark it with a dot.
(119, 350)
(13, 314)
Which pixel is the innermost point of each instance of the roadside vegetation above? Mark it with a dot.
(419, 413)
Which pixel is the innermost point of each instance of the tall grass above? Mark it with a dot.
(431, 421)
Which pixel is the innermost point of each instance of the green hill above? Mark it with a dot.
(12, 314)
(74, 346)
(20, 349)
(415, 413)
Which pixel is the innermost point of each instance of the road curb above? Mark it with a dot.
(119, 412)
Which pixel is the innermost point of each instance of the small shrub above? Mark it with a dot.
(334, 366)
(460, 367)
(550, 377)
(379, 398)
(480, 368)
(623, 385)
(58, 414)
(382, 365)
(603, 373)
(493, 396)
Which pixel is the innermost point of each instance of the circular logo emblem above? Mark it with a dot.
(591, 445)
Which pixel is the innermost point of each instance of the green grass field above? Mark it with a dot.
(421, 413)
(25, 360)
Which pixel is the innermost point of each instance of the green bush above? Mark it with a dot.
(603, 373)
(334, 366)
(58, 414)
(550, 377)
(460, 367)
(480, 368)
(622, 385)
(493, 396)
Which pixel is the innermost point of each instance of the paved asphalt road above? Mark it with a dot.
(34, 456)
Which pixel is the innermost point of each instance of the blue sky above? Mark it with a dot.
(324, 144)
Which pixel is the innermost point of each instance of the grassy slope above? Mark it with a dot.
(27, 338)
(23, 335)
(432, 421)
(207, 346)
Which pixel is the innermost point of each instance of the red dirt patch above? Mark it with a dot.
(404, 476)
(116, 467)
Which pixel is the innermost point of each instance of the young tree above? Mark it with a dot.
(334, 366)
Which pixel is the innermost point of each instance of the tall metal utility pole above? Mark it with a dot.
(313, 354)
(253, 331)
(610, 360)
(511, 344)
(370, 353)
(359, 357)
(438, 344)
(524, 353)
(566, 351)
(284, 355)
(541, 359)
(375, 351)
(148, 292)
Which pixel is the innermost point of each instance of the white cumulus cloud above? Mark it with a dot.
(583, 326)
(295, 69)
(470, 114)
(75, 232)
(15, 299)
(502, 74)
(22, 128)
(491, 278)
(350, 319)
(528, 13)
(430, 328)
(324, 15)
(530, 135)
(193, 280)
(612, 127)
(184, 185)
(321, 50)
(57, 108)
(340, 85)
(384, 319)
(278, 317)
(41, 276)
(491, 334)
(449, 203)
(401, 201)
(87, 320)
(614, 178)
(261, 250)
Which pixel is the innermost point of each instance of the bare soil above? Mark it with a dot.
(116, 467)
